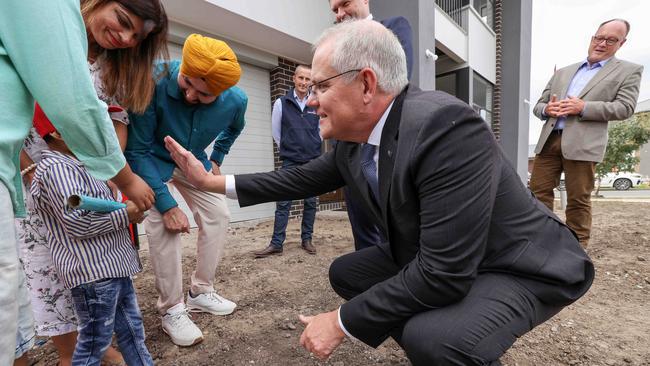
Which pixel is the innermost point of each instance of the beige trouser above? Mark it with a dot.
(212, 216)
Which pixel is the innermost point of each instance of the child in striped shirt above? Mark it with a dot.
(92, 252)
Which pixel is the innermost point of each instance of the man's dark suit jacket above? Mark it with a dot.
(402, 29)
(452, 208)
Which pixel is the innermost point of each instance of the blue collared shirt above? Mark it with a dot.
(195, 127)
(583, 76)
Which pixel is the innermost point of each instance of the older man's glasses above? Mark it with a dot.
(601, 39)
(320, 87)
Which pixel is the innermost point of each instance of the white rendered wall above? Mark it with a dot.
(481, 46)
(285, 28)
(450, 37)
(302, 19)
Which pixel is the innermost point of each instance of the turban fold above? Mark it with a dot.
(211, 60)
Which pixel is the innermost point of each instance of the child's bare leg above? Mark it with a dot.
(113, 357)
(64, 345)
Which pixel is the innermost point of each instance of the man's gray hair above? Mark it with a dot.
(627, 24)
(366, 43)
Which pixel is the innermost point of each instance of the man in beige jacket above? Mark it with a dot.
(577, 104)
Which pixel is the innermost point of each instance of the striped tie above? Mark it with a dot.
(369, 169)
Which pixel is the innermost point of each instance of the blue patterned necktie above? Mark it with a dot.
(369, 169)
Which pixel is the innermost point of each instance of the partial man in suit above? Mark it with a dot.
(468, 267)
(360, 9)
(295, 131)
(366, 231)
(577, 104)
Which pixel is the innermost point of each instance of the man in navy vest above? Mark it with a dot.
(364, 229)
(295, 130)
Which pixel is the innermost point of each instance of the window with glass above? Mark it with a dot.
(482, 97)
(447, 83)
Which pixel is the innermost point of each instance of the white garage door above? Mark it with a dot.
(253, 150)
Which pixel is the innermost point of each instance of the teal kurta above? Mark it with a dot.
(193, 126)
(43, 55)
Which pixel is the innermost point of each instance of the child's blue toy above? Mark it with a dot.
(81, 202)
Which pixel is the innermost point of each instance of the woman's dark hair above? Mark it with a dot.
(126, 73)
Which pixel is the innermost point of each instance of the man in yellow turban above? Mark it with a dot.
(212, 61)
(196, 102)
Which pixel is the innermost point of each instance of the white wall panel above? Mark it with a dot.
(482, 46)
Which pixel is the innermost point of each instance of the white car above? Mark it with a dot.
(621, 181)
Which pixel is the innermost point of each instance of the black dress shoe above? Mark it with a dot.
(270, 250)
(308, 246)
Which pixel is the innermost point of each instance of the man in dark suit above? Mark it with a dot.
(472, 259)
(364, 229)
(360, 9)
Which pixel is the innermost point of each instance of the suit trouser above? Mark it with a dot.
(212, 216)
(477, 330)
(578, 179)
(282, 215)
(364, 230)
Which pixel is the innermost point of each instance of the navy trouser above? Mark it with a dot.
(104, 307)
(477, 330)
(282, 215)
(364, 230)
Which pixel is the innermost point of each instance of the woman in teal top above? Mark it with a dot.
(43, 51)
(124, 39)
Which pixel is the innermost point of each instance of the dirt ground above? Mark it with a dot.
(610, 325)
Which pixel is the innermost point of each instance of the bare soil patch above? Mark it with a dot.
(608, 326)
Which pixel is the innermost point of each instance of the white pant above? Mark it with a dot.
(16, 320)
(212, 216)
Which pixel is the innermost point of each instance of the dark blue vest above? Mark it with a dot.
(299, 140)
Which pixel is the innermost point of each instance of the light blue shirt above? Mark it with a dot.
(583, 76)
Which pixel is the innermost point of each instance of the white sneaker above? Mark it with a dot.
(210, 302)
(178, 325)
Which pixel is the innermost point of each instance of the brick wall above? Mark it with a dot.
(281, 82)
(496, 98)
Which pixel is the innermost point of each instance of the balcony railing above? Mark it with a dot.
(453, 8)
